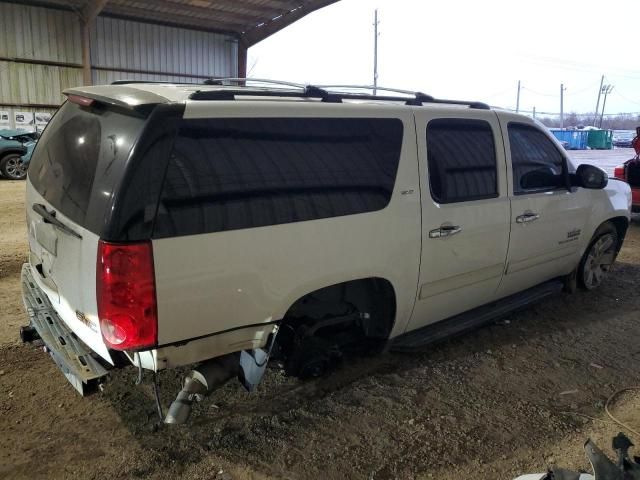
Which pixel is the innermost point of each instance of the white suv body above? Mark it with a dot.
(261, 201)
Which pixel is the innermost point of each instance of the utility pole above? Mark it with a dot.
(518, 99)
(562, 106)
(375, 52)
(595, 115)
(534, 112)
(607, 89)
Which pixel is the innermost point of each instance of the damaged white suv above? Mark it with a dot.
(229, 225)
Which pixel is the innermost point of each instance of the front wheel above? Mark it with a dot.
(598, 258)
(12, 167)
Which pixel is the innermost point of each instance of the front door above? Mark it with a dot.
(465, 212)
(547, 219)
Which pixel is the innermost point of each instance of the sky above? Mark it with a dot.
(469, 50)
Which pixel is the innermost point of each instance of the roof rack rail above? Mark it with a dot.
(308, 91)
(165, 82)
(311, 91)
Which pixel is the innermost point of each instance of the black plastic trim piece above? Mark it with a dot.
(459, 324)
(13, 150)
(134, 203)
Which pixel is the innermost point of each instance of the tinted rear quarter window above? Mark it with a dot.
(234, 173)
(461, 156)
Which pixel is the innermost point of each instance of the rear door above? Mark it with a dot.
(465, 212)
(547, 219)
(75, 166)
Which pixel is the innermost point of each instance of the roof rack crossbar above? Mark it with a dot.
(244, 81)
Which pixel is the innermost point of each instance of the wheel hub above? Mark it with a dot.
(15, 167)
(599, 260)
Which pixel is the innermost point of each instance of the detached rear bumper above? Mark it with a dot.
(73, 357)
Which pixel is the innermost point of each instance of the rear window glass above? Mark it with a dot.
(461, 155)
(227, 174)
(78, 145)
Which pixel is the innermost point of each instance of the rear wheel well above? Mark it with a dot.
(354, 316)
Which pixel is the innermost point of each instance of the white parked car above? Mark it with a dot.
(227, 225)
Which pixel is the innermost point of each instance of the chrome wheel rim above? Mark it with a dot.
(598, 261)
(15, 168)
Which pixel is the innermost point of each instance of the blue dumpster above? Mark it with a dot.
(577, 139)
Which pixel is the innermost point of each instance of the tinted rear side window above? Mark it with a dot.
(227, 174)
(81, 146)
(461, 155)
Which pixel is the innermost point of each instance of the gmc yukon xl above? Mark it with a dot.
(227, 226)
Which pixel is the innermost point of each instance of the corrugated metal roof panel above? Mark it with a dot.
(237, 16)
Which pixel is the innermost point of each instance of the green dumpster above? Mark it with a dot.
(600, 139)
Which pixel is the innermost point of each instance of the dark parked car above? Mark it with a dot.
(16, 147)
(623, 139)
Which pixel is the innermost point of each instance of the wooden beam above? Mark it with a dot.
(87, 16)
(85, 40)
(242, 59)
(257, 34)
(92, 9)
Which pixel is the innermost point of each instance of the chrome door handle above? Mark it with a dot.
(527, 217)
(445, 231)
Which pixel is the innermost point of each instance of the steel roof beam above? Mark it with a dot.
(271, 26)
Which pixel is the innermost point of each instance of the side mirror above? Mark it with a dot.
(592, 177)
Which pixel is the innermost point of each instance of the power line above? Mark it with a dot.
(538, 112)
(572, 92)
(540, 93)
(617, 92)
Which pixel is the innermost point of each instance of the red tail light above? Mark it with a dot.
(126, 294)
(618, 172)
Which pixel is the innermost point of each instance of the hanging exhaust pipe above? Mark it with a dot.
(200, 382)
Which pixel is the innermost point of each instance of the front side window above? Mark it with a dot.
(537, 164)
(234, 173)
(461, 156)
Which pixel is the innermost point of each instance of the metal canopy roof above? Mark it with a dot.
(250, 20)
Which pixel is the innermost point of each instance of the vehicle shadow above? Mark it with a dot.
(237, 425)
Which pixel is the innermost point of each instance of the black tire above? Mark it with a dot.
(12, 167)
(598, 257)
(313, 358)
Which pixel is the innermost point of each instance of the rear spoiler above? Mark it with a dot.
(120, 96)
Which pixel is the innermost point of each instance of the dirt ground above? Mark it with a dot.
(504, 400)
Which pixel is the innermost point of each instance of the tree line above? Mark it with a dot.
(612, 122)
